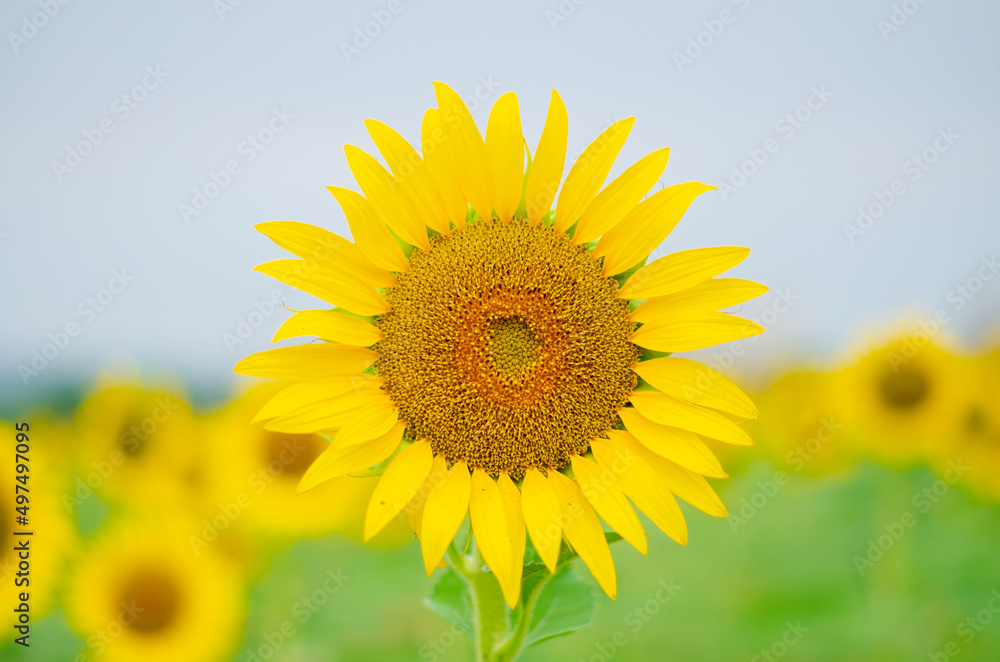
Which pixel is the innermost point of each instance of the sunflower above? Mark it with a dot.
(136, 442)
(903, 401)
(143, 595)
(46, 515)
(258, 471)
(974, 453)
(498, 358)
(800, 426)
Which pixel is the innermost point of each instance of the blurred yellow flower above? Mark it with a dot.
(800, 425)
(902, 401)
(975, 441)
(506, 378)
(137, 447)
(255, 475)
(52, 536)
(143, 595)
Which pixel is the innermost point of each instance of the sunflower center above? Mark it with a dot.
(291, 454)
(506, 347)
(511, 346)
(905, 388)
(152, 600)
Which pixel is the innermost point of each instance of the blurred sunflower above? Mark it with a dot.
(143, 595)
(800, 426)
(259, 470)
(48, 519)
(902, 402)
(975, 441)
(137, 446)
(498, 357)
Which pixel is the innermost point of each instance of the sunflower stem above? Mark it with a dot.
(489, 616)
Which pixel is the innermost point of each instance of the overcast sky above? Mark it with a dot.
(839, 97)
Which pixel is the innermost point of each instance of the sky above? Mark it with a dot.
(854, 145)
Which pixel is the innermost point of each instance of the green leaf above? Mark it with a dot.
(567, 555)
(564, 605)
(452, 601)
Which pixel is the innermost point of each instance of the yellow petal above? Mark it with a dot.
(584, 532)
(541, 510)
(505, 152)
(661, 408)
(467, 149)
(404, 475)
(323, 249)
(414, 510)
(385, 197)
(372, 235)
(328, 414)
(410, 174)
(515, 532)
(329, 325)
(620, 196)
(373, 419)
(306, 361)
(687, 485)
(683, 447)
(444, 511)
(335, 461)
(305, 393)
(640, 482)
(329, 283)
(712, 295)
(693, 382)
(645, 227)
(488, 516)
(685, 334)
(679, 271)
(589, 172)
(433, 141)
(550, 158)
(601, 487)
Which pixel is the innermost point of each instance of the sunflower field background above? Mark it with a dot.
(852, 147)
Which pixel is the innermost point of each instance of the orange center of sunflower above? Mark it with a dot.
(905, 388)
(506, 347)
(152, 600)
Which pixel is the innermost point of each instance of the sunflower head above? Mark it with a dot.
(496, 357)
